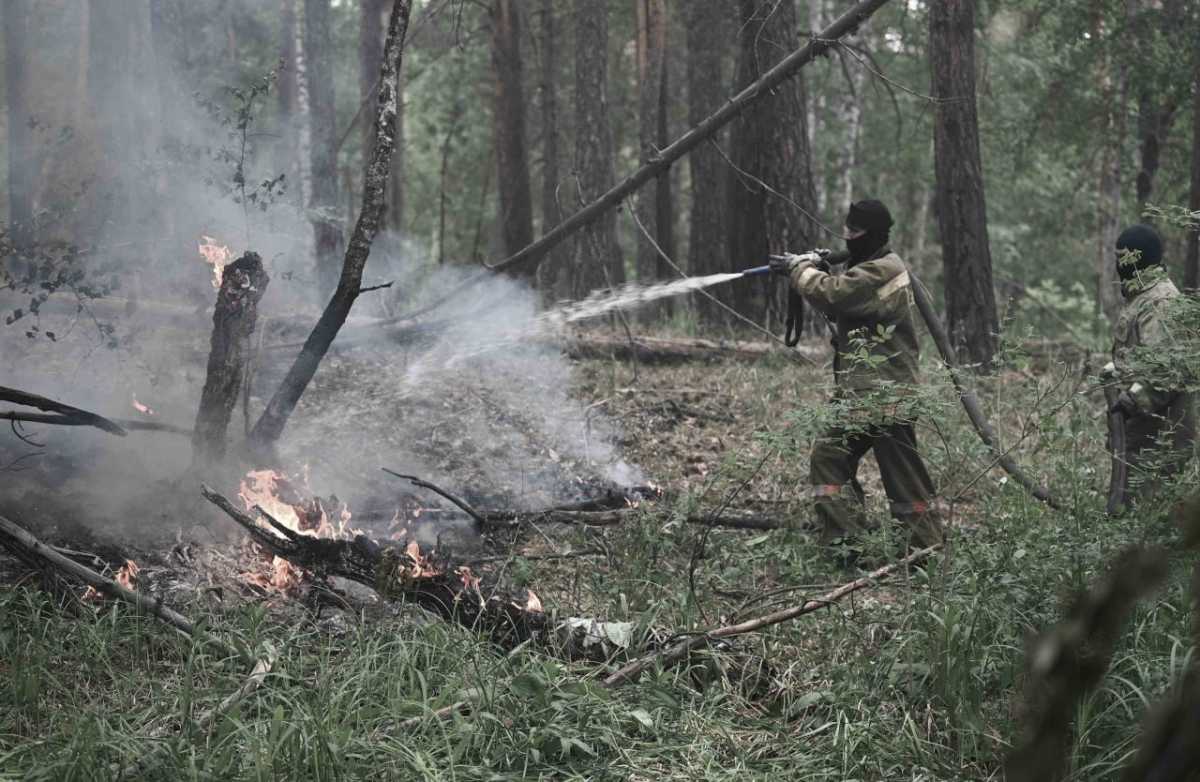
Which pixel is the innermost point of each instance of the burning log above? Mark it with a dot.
(70, 416)
(453, 592)
(243, 283)
(448, 589)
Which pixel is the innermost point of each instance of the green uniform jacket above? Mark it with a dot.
(1144, 323)
(872, 307)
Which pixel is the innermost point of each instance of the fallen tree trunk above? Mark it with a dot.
(129, 424)
(243, 284)
(270, 425)
(83, 417)
(659, 350)
(608, 510)
(970, 402)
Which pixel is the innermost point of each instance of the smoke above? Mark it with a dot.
(483, 404)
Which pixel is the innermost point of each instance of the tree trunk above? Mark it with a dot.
(370, 60)
(396, 197)
(786, 69)
(303, 105)
(243, 284)
(1191, 268)
(962, 213)
(598, 262)
(816, 109)
(555, 276)
(849, 111)
(1114, 96)
(21, 162)
(769, 144)
(270, 425)
(707, 44)
(512, 164)
(1156, 111)
(322, 205)
(651, 74)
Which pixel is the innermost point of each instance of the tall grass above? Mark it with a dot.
(919, 679)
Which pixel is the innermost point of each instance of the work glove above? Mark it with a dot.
(785, 264)
(1125, 405)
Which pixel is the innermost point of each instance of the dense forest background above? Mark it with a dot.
(133, 129)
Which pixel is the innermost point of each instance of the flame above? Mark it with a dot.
(90, 594)
(533, 602)
(469, 579)
(421, 566)
(127, 575)
(216, 255)
(290, 503)
(141, 408)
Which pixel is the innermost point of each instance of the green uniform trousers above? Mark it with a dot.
(834, 471)
(1158, 446)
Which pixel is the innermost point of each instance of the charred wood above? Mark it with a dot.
(65, 420)
(242, 286)
(27, 547)
(658, 350)
(82, 417)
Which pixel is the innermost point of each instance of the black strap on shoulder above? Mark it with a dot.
(795, 319)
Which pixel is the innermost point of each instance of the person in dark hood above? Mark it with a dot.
(1158, 410)
(871, 307)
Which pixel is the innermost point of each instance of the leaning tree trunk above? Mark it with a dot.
(270, 425)
(962, 213)
(370, 60)
(769, 146)
(598, 262)
(21, 164)
(707, 44)
(322, 205)
(243, 284)
(512, 163)
(651, 73)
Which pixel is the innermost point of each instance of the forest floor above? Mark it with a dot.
(917, 678)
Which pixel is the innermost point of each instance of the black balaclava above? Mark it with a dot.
(1140, 239)
(874, 218)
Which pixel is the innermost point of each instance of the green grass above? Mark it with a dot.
(917, 680)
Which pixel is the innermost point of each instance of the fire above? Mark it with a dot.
(141, 408)
(216, 255)
(421, 567)
(533, 602)
(468, 578)
(127, 575)
(290, 502)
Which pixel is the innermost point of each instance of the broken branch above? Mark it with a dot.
(677, 652)
(21, 542)
(461, 503)
(85, 418)
(970, 402)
